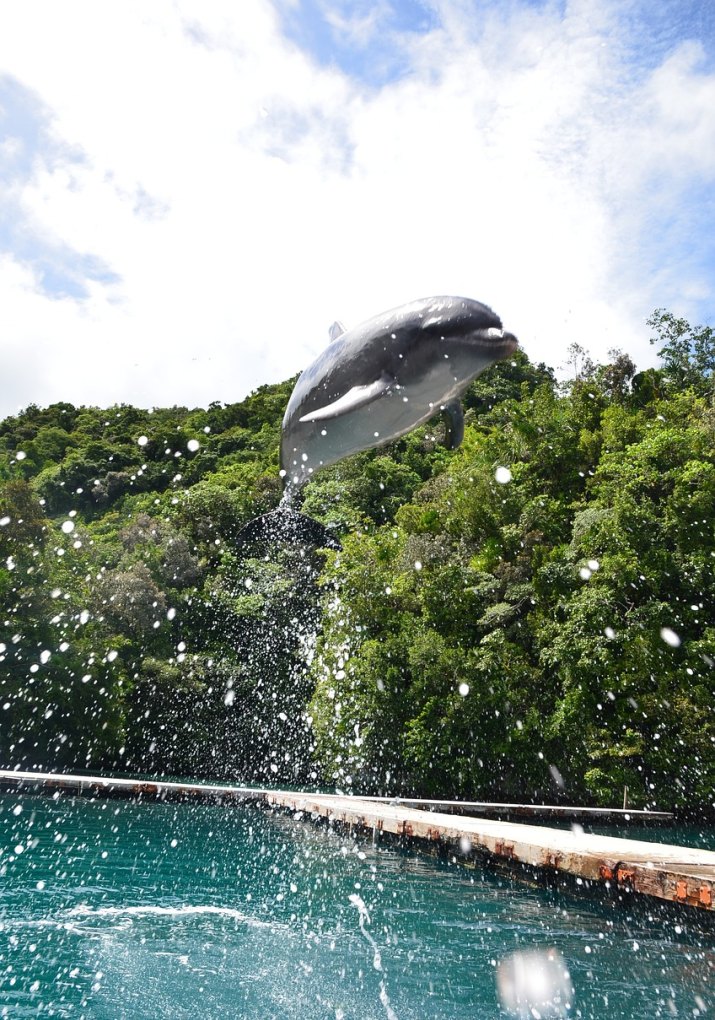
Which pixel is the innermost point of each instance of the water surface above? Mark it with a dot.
(110, 909)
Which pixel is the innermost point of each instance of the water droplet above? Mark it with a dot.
(464, 690)
(502, 475)
(535, 983)
(142, 440)
(20, 455)
(670, 637)
(193, 445)
(68, 527)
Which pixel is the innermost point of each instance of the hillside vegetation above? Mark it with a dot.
(528, 617)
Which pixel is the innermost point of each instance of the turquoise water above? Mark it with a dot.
(117, 910)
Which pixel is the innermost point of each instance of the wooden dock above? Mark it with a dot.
(683, 875)
(679, 874)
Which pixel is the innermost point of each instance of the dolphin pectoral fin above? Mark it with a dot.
(454, 420)
(337, 329)
(356, 397)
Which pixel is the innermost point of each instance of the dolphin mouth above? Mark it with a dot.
(480, 327)
(497, 340)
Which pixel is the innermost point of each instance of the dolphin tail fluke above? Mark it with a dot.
(285, 526)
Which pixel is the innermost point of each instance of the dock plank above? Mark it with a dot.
(680, 874)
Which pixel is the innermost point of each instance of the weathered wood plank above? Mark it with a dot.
(680, 874)
(106, 785)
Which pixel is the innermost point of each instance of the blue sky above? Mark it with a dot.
(362, 37)
(372, 52)
(191, 193)
(25, 123)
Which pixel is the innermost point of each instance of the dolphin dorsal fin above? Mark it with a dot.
(337, 329)
(356, 397)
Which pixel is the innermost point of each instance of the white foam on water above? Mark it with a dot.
(156, 910)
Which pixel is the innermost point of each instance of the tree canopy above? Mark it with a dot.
(528, 617)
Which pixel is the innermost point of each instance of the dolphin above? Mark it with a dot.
(378, 381)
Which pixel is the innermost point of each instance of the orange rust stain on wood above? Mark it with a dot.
(504, 849)
(702, 897)
(146, 788)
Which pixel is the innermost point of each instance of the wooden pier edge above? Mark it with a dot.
(681, 875)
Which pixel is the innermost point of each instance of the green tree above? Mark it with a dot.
(687, 352)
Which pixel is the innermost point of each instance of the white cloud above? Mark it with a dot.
(358, 25)
(245, 197)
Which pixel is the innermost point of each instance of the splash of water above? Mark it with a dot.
(363, 919)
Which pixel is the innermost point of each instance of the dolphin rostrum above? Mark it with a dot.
(383, 378)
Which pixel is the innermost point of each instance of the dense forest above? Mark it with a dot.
(529, 617)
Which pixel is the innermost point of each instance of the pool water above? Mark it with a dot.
(110, 909)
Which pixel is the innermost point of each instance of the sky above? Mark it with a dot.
(192, 191)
